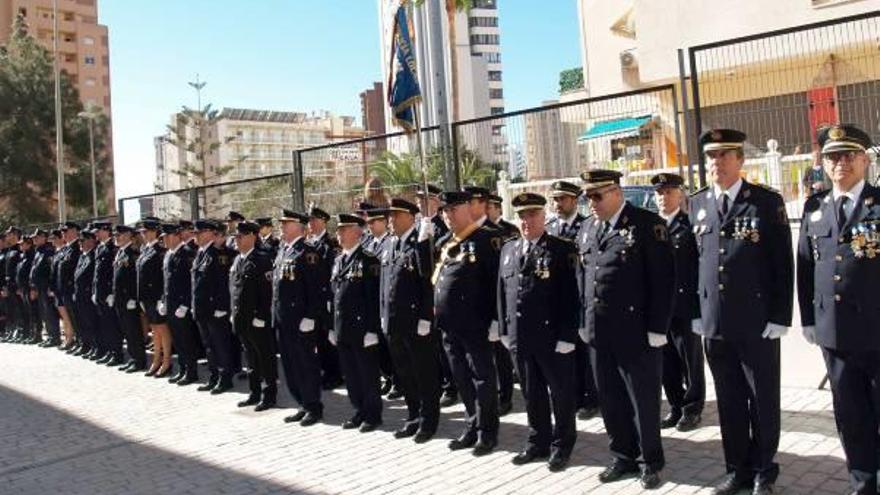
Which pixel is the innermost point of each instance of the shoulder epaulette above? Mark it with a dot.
(698, 191)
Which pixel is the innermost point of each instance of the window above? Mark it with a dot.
(88, 40)
(485, 4)
(484, 39)
(497, 110)
(496, 93)
(90, 60)
(493, 58)
(494, 75)
(91, 82)
(483, 21)
(68, 16)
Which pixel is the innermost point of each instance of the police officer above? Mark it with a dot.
(838, 274)
(298, 303)
(188, 234)
(15, 311)
(377, 234)
(327, 248)
(683, 375)
(83, 282)
(177, 299)
(232, 220)
(66, 262)
(494, 214)
(150, 293)
(405, 311)
(746, 284)
(268, 242)
(433, 201)
(465, 282)
(250, 291)
(124, 299)
(31, 328)
(355, 310)
(40, 283)
(210, 306)
(628, 278)
(537, 301)
(110, 335)
(566, 223)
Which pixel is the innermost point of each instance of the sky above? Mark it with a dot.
(286, 55)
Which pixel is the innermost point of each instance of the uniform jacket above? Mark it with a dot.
(555, 227)
(105, 255)
(150, 280)
(355, 286)
(84, 278)
(210, 281)
(125, 276)
(41, 270)
(297, 286)
(405, 295)
(177, 278)
(684, 248)
(250, 288)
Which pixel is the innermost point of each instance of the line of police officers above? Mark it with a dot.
(594, 312)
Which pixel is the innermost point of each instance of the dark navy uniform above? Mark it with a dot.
(297, 295)
(109, 333)
(838, 273)
(746, 282)
(125, 303)
(150, 282)
(66, 261)
(327, 249)
(627, 282)
(41, 281)
(176, 300)
(210, 309)
(32, 329)
(537, 309)
(465, 307)
(503, 360)
(86, 313)
(507, 230)
(355, 283)
(405, 312)
(250, 290)
(15, 310)
(566, 230)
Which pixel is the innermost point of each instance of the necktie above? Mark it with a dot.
(564, 231)
(724, 204)
(606, 226)
(841, 211)
(344, 260)
(525, 255)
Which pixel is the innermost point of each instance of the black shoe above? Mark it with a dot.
(224, 385)
(649, 479)
(448, 399)
(252, 400)
(332, 383)
(166, 373)
(125, 367)
(465, 441)
(558, 462)
(241, 375)
(588, 412)
(408, 429)
(95, 355)
(731, 485)
(179, 376)
(689, 422)
(484, 446)
(354, 422)
(188, 379)
(135, 368)
(104, 359)
(386, 387)
(114, 361)
(311, 418)
(670, 420)
(265, 405)
(395, 394)
(212, 382)
(423, 435)
(617, 470)
(762, 489)
(368, 427)
(295, 418)
(529, 455)
(151, 372)
(504, 408)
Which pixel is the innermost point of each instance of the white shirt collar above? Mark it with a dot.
(569, 219)
(286, 245)
(731, 192)
(151, 243)
(245, 255)
(406, 234)
(319, 235)
(125, 246)
(853, 194)
(480, 221)
(348, 252)
(670, 217)
(176, 248)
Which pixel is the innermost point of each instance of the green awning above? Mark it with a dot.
(629, 126)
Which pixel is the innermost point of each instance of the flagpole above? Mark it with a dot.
(425, 192)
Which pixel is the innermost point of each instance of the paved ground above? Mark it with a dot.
(69, 426)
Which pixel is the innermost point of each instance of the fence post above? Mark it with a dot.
(297, 183)
(504, 192)
(120, 211)
(698, 116)
(774, 165)
(452, 180)
(194, 204)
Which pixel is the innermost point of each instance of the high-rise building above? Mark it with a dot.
(83, 47)
(373, 112)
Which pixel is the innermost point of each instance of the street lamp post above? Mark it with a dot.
(59, 137)
(91, 115)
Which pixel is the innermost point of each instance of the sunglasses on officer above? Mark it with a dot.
(600, 194)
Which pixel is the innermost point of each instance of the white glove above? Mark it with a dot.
(424, 328)
(258, 323)
(160, 307)
(505, 341)
(656, 339)
(130, 304)
(493, 332)
(110, 300)
(219, 314)
(94, 299)
(426, 229)
(564, 347)
(306, 325)
(809, 334)
(370, 339)
(584, 335)
(331, 336)
(697, 326)
(181, 311)
(774, 331)
(329, 307)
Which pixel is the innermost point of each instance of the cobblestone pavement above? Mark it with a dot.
(69, 426)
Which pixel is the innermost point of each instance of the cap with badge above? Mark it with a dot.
(87, 233)
(376, 214)
(315, 212)
(495, 199)
(245, 228)
(123, 229)
(293, 216)
(402, 205)
(39, 232)
(599, 178)
(96, 226)
(452, 198)
(364, 207)
(528, 201)
(185, 225)
(843, 137)
(204, 224)
(149, 223)
(432, 190)
(170, 228)
(349, 220)
(664, 179)
(55, 233)
(234, 216)
(477, 192)
(263, 221)
(70, 225)
(562, 188)
(722, 140)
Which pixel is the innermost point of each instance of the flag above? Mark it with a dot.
(403, 80)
